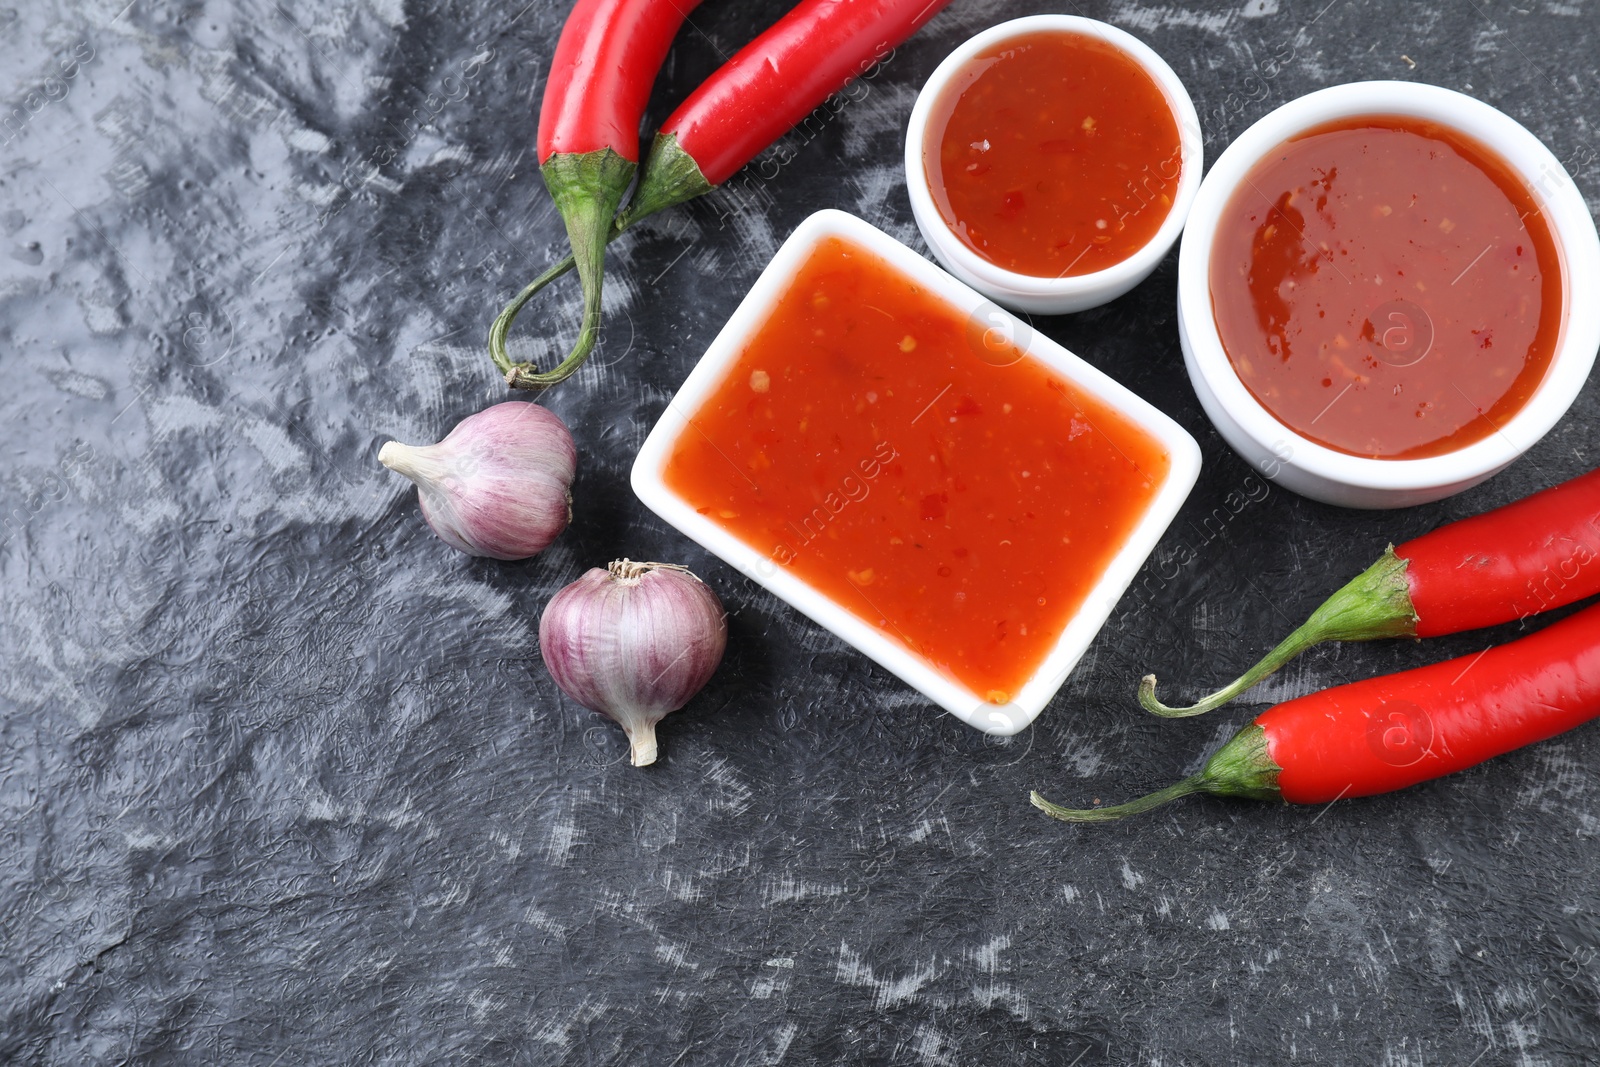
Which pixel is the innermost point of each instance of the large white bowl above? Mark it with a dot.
(1029, 292)
(1322, 473)
(939, 687)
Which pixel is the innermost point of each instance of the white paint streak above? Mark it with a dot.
(1150, 19)
(100, 316)
(303, 140)
(932, 1047)
(169, 415)
(988, 957)
(733, 797)
(564, 834)
(392, 12)
(675, 954)
(852, 970)
(789, 888)
(1131, 879)
(274, 444)
(1080, 756)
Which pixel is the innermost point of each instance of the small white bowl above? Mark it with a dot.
(1322, 473)
(941, 688)
(1029, 292)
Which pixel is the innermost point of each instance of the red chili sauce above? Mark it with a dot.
(1056, 155)
(917, 469)
(1387, 287)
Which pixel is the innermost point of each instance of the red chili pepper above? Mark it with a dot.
(600, 77)
(768, 86)
(1532, 555)
(1387, 733)
(771, 84)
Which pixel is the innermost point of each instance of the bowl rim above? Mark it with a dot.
(649, 484)
(991, 275)
(1570, 222)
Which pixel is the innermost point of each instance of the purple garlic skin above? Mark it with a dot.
(634, 642)
(499, 484)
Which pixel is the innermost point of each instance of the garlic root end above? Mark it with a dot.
(397, 457)
(643, 744)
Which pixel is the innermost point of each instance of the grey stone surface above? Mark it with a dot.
(282, 780)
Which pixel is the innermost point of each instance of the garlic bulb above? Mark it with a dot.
(499, 484)
(634, 642)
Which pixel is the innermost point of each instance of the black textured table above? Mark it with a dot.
(283, 781)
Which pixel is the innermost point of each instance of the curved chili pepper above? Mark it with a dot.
(1387, 733)
(771, 84)
(1538, 553)
(600, 77)
(766, 88)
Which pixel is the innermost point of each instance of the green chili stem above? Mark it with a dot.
(1184, 788)
(1376, 603)
(587, 189)
(1241, 768)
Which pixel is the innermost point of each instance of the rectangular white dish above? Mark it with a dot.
(940, 687)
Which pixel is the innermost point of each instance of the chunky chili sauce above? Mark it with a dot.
(1387, 287)
(917, 469)
(1054, 154)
